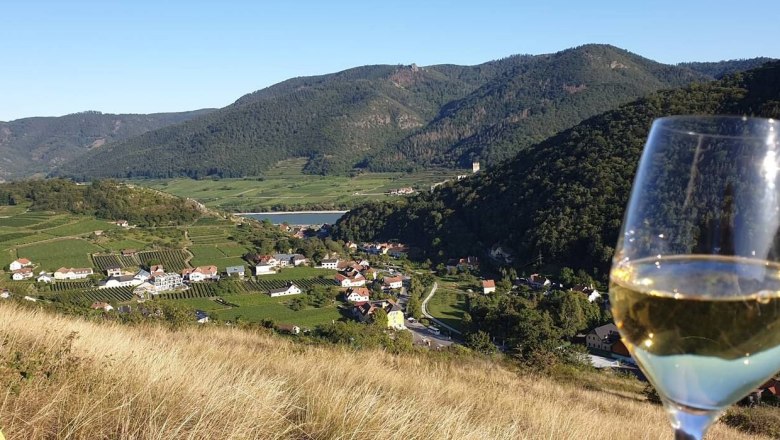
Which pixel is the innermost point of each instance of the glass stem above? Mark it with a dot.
(689, 423)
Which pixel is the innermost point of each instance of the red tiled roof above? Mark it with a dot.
(488, 283)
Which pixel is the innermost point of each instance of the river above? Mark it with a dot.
(298, 217)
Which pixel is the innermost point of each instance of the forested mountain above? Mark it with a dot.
(532, 101)
(35, 145)
(563, 199)
(392, 117)
(719, 69)
(336, 120)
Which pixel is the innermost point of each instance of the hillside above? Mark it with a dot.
(532, 101)
(392, 117)
(69, 378)
(35, 145)
(562, 200)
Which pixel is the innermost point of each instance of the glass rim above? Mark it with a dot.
(665, 123)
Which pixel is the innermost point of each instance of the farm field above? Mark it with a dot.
(67, 252)
(220, 255)
(285, 186)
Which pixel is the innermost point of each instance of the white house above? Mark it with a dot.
(488, 286)
(114, 271)
(393, 282)
(200, 273)
(357, 280)
(290, 289)
(120, 281)
(235, 271)
(142, 276)
(24, 273)
(20, 263)
(44, 277)
(167, 281)
(73, 273)
(283, 260)
(358, 294)
(330, 263)
(265, 269)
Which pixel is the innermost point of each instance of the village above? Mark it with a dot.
(362, 288)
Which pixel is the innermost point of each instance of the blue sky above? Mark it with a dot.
(60, 57)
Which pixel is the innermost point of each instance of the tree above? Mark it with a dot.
(380, 318)
(480, 341)
(414, 306)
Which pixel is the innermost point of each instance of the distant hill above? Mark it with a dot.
(392, 117)
(35, 145)
(719, 69)
(562, 199)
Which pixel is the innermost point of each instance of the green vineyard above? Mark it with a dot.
(207, 290)
(111, 295)
(64, 286)
(262, 285)
(173, 260)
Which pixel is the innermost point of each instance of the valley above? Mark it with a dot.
(286, 187)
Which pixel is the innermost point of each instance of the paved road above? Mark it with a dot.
(421, 335)
(429, 316)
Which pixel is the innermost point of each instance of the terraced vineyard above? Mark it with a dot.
(207, 290)
(196, 290)
(103, 262)
(64, 286)
(305, 284)
(112, 295)
(173, 259)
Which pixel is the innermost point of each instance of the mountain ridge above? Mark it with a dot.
(32, 145)
(359, 117)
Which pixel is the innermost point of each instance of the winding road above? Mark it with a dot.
(429, 316)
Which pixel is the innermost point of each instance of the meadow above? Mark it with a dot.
(285, 187)
(67, 252)
(146, 381)
(256, 307)
(449, 303)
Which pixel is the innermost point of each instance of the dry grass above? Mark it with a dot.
(106, 381)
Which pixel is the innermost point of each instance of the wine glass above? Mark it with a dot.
(695, 281)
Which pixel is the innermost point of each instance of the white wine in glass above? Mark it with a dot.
(695, 281)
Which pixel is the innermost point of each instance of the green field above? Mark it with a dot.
(81, 225)
(256, 307)
(51, 255)
(207, 254)
(448, 304)
(286, 186)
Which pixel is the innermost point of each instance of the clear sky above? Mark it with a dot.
(65, 56)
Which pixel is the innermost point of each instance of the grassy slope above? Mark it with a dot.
(130, 382)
